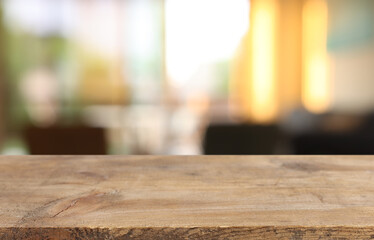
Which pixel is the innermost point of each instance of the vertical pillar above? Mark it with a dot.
(290, 53)
(3, 115)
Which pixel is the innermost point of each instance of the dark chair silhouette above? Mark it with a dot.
(65, 140)
(326, 143)
(358, 141)
(241, 139)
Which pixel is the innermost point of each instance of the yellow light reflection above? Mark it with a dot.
(316, 87)
(263, 102)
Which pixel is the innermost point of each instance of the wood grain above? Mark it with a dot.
(159, 197)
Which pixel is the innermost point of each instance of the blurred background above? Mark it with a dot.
(187, 77)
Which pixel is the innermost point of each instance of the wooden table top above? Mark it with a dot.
(180, 197)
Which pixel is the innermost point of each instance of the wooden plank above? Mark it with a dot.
(158, 197)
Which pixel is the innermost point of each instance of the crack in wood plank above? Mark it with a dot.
(72, 204)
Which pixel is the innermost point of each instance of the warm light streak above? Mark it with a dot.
(316, 87)
(263, 100)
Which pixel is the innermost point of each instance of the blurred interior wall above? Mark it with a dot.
(351, 45)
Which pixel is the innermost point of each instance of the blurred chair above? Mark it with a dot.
(241, 139)
(327, 143)
(357, 141)
(65, 140)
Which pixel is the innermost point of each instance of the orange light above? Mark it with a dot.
(263, 101)
(316, 89)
